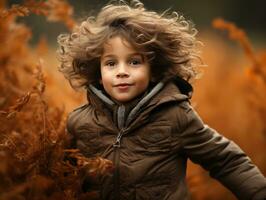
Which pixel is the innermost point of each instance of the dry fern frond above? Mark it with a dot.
(61, 11)
(15, 10)
(237, 34)
(92, 166)
(32, 133)
(240, 36)
(37, 7)
(39, 76)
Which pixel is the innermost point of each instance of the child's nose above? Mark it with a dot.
(122, 71)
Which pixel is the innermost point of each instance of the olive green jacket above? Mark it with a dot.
(149, 142)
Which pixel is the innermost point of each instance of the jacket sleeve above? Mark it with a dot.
(71, 124)
(224, 160)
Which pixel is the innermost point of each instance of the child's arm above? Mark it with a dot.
(222, 157)
(72, 122)
(71, 140)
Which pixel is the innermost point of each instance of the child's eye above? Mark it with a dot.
(135, 62)
(110, 63)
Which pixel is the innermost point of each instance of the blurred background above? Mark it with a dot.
(249, 15)
(230, 96)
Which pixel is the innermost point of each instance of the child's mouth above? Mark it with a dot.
(123, 86)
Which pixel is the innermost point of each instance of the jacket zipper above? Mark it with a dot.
(116, 146)
(118, 139)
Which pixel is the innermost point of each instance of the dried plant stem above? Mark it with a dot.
(240, 36)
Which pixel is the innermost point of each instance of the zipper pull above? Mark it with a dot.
(118, 139)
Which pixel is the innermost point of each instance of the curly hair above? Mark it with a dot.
(168, 40)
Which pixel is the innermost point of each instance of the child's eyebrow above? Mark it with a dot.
(108, 55)
(136, 54)
(129, 55)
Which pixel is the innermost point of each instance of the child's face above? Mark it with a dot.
(125, 73)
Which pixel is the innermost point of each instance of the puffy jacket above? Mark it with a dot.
(150, 144)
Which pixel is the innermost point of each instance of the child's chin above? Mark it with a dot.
(123, 99)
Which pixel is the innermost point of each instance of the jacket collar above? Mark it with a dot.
(124, 114)
(175, 89)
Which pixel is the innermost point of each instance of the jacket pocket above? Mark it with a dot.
(155, 138)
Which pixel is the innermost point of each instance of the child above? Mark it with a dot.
(135, 65)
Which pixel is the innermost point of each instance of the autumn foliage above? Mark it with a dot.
(35, 160)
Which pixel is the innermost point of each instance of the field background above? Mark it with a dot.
(35, 98)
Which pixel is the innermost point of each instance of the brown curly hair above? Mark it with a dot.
(168, 40)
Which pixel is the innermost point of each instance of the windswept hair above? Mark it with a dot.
(168, 41)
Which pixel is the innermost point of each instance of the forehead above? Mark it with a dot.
(118, 44)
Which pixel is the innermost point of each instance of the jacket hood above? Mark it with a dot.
(183, 86)
(123, 114)
(175, 89)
